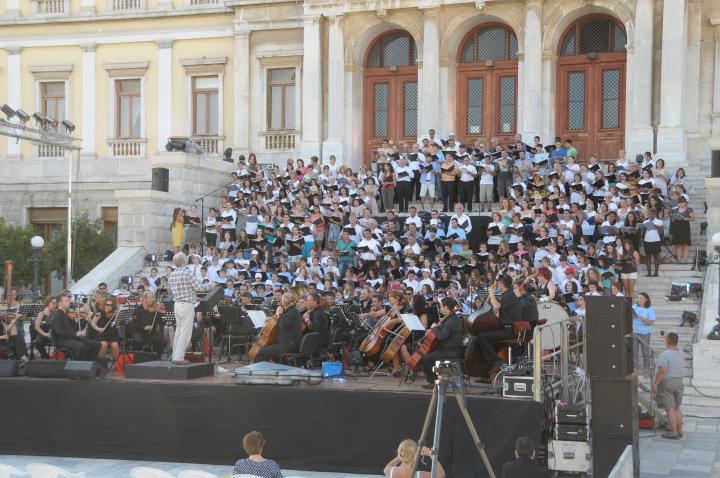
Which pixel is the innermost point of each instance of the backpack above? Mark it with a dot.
(529, 309)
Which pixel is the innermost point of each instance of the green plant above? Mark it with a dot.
(15, 246)
(90, 246)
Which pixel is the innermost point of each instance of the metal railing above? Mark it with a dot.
(624, 467)
(281, 140)
(541, 356)
(127, 147)
(209, 144)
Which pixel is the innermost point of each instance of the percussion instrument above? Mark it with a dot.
(553, 313)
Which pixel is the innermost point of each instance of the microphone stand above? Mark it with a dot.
(202, 214)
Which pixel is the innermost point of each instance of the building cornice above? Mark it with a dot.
(117, 16)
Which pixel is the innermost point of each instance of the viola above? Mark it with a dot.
(268, 335)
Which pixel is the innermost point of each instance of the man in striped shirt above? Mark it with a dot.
(184, 286)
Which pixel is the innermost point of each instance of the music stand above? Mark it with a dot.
(235, 322)
(30, 311)
(125, 315)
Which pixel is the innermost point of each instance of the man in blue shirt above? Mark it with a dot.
(558, 154)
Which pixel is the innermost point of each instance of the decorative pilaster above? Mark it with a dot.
(639, 72)
(311, 88)
(429, 104)
(671, 142)
(336, 91)
(87, 120)
(531, 79)
(164, 94)
(241, 80)
(716, 90)
(12, 8)
(87, 7)
(14, 92)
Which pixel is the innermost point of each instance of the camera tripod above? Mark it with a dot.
(449, 375)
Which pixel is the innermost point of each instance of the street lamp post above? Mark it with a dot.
(716, 260)
(37, 243)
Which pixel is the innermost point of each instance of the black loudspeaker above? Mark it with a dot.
(608, 332)
(715, 163)
(606, 451)
(46, 368)
(9, 368)
(614, 408)
(160, 179)
(84, 370)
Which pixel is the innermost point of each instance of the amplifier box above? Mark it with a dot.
(571, 432)
(571, 413)
(571, 456)
(518, 386)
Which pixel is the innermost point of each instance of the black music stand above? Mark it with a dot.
(235, 323)
(125, 315)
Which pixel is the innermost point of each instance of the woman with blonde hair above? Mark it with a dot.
(177, 228)
(401, 465)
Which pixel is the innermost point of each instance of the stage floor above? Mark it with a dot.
(350, 427)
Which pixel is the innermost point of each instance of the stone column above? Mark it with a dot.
(531, 79)
(430, 116)
(336, 91)
(311, 89)
(88, 121)
(716, 89)
(164, 94)
(12, 8)
(87, 7)
(241, 87)
(671, 141)
(14, 93)
(639, 132)
(547, 117)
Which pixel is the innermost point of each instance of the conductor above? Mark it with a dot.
(184, 286)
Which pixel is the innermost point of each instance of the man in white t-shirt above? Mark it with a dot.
(487, 172)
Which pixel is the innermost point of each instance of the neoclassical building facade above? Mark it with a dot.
(294, 79)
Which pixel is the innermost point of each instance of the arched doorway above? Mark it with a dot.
(591, 86)
(390, 92)
(487, 84)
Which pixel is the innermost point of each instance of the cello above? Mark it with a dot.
(428, 343)
(268, 335)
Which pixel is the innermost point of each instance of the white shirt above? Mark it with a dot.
(463, 221)
(467, 173)
(374, 247)
(414, 220)
(486, 176)
(652, 232)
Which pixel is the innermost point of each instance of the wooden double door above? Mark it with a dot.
(591, 104)
(390, 108)
(487, 103)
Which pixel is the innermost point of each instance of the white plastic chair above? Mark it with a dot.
(7, 471)
(196, 474)
(42, 470)
(147, 472)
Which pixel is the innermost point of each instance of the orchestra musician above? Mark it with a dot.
(14, 299)
(67, 334)
(289, 331)
(102, 329)
(317, 318)
(508, 309)
(10, 337)
(449, 332)
(40, 333)
(146, 324)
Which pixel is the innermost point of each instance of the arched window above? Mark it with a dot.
(394, 49)
(595, 35)
(493, 43)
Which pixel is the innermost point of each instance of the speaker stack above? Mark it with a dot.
(613, 386)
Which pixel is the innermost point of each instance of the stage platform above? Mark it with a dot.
(351, 427)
